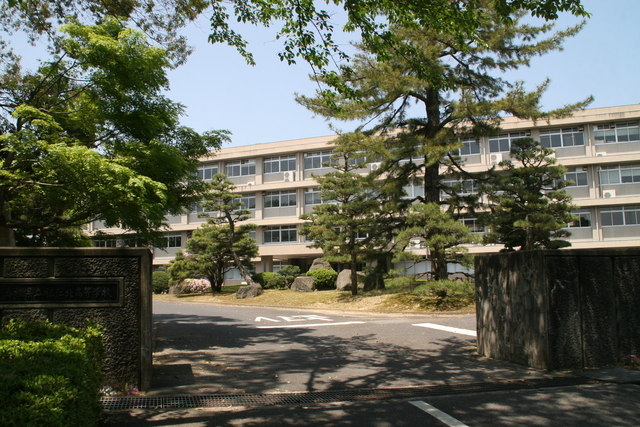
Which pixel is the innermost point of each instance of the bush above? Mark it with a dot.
(194, 286)
(402, 283)
(276, 282)
(51, 375)
(160, 280)
(443, 288)
(263, 278)
(290, 272)
(323, 279)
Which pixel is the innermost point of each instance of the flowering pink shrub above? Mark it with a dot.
(194, 286)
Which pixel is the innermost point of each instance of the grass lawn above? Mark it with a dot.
(399, 295)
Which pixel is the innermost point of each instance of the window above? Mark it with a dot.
(110, 243)
(584, 219)
(472, 224)
(312, 197)
(617, 174)
(280, 199)
(280, 234)
(200, 208)
(502, 143)
(206, 172)
(620, 215)
(248, 201)
(466, 186)
(617, 132)
(279, 164)
(568, 137)
(241, 168)
(413, 190)
(580, 178)
(469, 146)
(317, 160)
(174, 241)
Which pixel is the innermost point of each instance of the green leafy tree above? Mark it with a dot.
(89, 136)
(353, 223)
(306, 28)
(228, 210)
(442, 236)
(529, 208)
(211, 252)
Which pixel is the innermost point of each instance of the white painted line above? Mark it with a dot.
(437, 413)
(447, 328)
(309, 325)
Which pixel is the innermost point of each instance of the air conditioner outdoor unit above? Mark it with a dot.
(496, 158)
(289, 176)
(607, 194)
(374, 166)
(552, 155)
(251, 183)
(601, 154)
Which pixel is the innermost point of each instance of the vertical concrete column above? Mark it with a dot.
(267, 263)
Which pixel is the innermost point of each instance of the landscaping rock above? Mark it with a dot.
(320, 264)
(343, 282)
(250, 291)
(303, 284)
(175, 289)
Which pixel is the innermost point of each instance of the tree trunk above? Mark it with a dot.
(243, 271)
(354, 275)
(7, 237)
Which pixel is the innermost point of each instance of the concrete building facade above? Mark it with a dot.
(600, 148)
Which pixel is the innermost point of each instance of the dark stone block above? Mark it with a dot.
(565, 328)
(565, 309)
(626, 282)
(598, 311)
(63, 280)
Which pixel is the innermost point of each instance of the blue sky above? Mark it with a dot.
(220, 91)
(257, 103)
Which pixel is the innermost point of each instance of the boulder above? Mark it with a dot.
(303, 284)
(175, 289)
(320, 264)
(250, 291)
(343, 282)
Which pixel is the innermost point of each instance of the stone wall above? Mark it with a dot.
(568, 309)
(108, 285)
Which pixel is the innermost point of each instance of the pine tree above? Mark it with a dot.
(457, 93)
(353, 224)
(228, 211)
(529, 209)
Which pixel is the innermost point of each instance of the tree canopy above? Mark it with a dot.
(529, 207)
(307, 28)
(89, 136)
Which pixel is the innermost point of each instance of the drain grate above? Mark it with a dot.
(297, 398)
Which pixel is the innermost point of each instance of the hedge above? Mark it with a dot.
(50, 375)
(323, 279)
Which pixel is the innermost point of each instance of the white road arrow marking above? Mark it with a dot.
(258, 319)
(308, 325)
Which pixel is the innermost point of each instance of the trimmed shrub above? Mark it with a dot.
(160, 280)
(263, 278)
(290, 272)
(323, 279)
(276, 282)
(51, 374)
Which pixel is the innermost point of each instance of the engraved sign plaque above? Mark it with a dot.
(61, 292)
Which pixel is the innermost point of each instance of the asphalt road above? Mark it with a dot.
(232, 349)
(249, 351)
